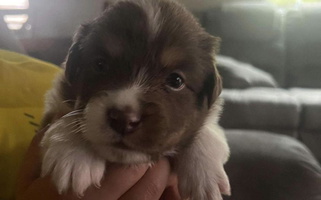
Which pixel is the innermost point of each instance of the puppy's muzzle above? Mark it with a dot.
(124, 121)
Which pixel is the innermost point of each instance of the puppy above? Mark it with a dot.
(139, 84)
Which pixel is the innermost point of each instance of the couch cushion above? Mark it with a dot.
(310, 100)
(310, 121)
(237, 74)
(268, 109)
(312, 140)
(264, 166)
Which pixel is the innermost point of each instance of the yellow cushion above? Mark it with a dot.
(23, 83)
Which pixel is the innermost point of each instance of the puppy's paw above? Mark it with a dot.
(68, 158)
(200, 170)
(204, 185)
(73, 166)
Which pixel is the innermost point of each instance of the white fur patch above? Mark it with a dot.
(67, 145)
(124, 97)
(68, 158)
(98, 131)
(205, 159)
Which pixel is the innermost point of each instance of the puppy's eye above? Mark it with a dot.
(175, 81)
(100, 65)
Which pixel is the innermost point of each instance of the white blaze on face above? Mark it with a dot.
(97, 126)
(100, 134)
(124, 97)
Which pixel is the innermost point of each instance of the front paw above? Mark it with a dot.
(72, 165)
(204, 185)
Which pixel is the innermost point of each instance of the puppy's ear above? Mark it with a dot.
(212, 86)
(218, 79)
(218, 84)
(72, 63)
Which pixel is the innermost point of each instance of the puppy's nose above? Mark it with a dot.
(123, 121)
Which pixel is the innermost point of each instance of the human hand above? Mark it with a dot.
(119, 183)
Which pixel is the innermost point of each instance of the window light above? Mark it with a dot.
(16, 21)
(14, 4)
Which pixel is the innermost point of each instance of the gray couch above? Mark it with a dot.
(283, 44)
(271, 67)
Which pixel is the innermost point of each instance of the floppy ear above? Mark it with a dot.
(218, 84)
(218, 79)
(72, 64)
(212, 85)
(72, 67)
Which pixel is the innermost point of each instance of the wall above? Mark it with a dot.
(60, 18)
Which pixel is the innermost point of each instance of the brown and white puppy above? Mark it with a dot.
(140, 83)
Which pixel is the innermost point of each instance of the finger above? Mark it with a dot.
(152, 184)
(117, 180)
(31, 165)
(171, 192)
(43, 188)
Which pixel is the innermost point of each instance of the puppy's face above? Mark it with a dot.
(143, 72)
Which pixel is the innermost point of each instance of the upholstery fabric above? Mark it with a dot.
(249, 21)
(290, 53)
(310, 100)
(268, 109)
(251, 33)
(312, 140)
(237, 74)
(303, 41)
(265, 166)
(310, 123)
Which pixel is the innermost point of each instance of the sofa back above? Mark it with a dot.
(251, 33)
(303, 42)
(286, 44)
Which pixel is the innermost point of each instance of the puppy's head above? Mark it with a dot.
(144, 74)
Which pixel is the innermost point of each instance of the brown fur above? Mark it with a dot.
(140, 43)
(125, 44)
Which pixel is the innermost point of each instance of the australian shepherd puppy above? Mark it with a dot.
(140, 83)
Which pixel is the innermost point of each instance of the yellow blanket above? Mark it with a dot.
(23, 83)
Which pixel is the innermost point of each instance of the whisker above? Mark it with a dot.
(74, 123)
(77, 125)
(79, 129)
(73, 113)
(69, 100)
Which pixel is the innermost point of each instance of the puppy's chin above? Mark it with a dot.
(118, 154)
